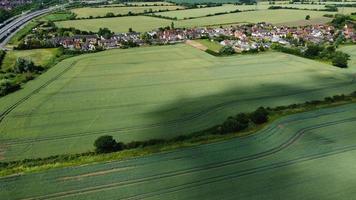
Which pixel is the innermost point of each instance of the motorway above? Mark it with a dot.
(11, 28)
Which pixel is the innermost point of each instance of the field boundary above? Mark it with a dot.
(271, 151)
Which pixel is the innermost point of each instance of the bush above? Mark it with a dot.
(106, 144)
(227, 50)
(313, 50)
(307, 17)
(23, 65)
(2, 56)
(340, 59)
(259, 116)
(8, 86)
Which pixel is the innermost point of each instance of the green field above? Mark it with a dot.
(154, 3)
(353, 17)
(153, 92)
(56, 16)
(95, 12)
(181, 14)
(205, 1)
(145, 23)
(212, 45)
(302, 156)
(350, 49)
(39, 56)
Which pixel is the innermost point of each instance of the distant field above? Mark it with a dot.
(149, 3)
(89, 11)
(118, 24)
(303, 156)
(56, 16)
(38, 56)
(143, 23)
(181, 14)
(205, 1)
(153, 92)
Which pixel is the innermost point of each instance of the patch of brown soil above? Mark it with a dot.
(196, 45)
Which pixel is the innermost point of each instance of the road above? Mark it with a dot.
(11, 28)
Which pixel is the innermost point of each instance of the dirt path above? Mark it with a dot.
(94, 174)
(196, 45)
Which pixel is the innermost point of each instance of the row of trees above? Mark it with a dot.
(233, 124)
(240, 122)
(317, 51)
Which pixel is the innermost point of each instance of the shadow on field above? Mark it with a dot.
(190, 114)
(227, 170)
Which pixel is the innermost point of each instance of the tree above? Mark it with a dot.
(145, 37)
(313, 50)
(4, 15)
(340, 59)
(237, 123)
(227, 50)
(340, 20)
(230, 125)
(259, 116)
(110, 14)
(307, 17)
(107, 144)
(7, 86)
(172, 25)
(105, 32)
(23, 65)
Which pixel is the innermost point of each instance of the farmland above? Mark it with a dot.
(181, 14)
(153, 92)
(39, 56)
(89, 11)
(145, 23)
(300, 156)
(351, 50)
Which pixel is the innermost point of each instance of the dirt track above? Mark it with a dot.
(196, 45)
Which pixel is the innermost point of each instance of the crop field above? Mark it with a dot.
(154, 3)
(38, 56)
(205, 1)
(149, 3)
(201, 12)
(145, 23)
(153, 92)
(301, 156)
(56, 16)
(180, 14)
(90, 11)
(351, 50)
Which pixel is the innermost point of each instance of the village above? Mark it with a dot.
(241, 38)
